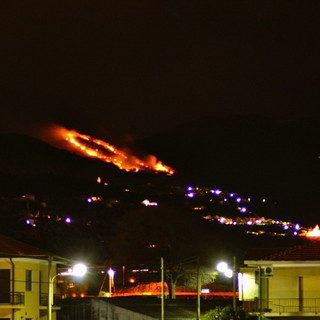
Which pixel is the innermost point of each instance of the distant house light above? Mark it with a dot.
(94, 199)
(222, 219)
(68, 220)
(149, 203)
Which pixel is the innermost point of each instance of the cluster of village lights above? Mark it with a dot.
(295, 228)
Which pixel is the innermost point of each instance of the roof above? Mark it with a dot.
(10, 247)
(310, 252)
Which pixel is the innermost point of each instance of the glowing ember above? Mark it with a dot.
(315, 232)
(91, 147)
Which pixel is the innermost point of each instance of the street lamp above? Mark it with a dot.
(229, 273)
(111, 274)
(78, 270)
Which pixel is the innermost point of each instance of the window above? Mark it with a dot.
(4, 286)
(28, 280)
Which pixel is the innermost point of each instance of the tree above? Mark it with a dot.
(144, 235)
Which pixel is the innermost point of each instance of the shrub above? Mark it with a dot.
(227, 313)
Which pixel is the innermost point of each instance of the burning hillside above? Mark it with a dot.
(88, 146)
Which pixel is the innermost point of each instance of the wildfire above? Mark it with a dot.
(312, 233)
(86, 145)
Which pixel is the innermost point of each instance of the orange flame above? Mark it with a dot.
(312, 233)
(86, 145)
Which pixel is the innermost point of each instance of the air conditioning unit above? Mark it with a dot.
(267, 271)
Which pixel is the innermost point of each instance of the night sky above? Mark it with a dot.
(129, 70)
(136, 68)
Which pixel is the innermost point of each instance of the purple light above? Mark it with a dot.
(243, 209)
(190, 195)
(238, 200)
(89, 200)
(68, 220)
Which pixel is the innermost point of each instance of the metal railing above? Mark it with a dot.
(44, 299)
(283, 305)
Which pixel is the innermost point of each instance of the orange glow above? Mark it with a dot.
(88, 146)
(312, 233)
(154, 289)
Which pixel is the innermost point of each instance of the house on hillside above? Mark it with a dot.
(25, 273)
(282, 282)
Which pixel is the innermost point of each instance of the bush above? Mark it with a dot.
(227, 313)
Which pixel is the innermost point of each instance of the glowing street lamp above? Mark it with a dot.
(222, 267)
(78, 270)
(111, 274)
(229, 273)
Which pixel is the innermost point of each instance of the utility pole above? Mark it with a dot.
(234, 304)
(162, 289)
(198, 289)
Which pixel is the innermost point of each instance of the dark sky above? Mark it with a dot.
(139, 67)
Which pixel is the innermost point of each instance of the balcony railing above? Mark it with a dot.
(44, 299)
(13, 298)
(283, 305)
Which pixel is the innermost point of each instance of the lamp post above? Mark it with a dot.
(111, 274)
(229, 273)
(78, 270)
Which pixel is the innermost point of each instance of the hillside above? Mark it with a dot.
(267, 159)
(257, 156)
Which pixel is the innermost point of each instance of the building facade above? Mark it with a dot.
(282, 282)
(25, 275)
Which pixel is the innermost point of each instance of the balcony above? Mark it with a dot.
(44, 299)
(283, 306)
(12, 298)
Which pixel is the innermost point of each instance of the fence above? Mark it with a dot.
(283, 305)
